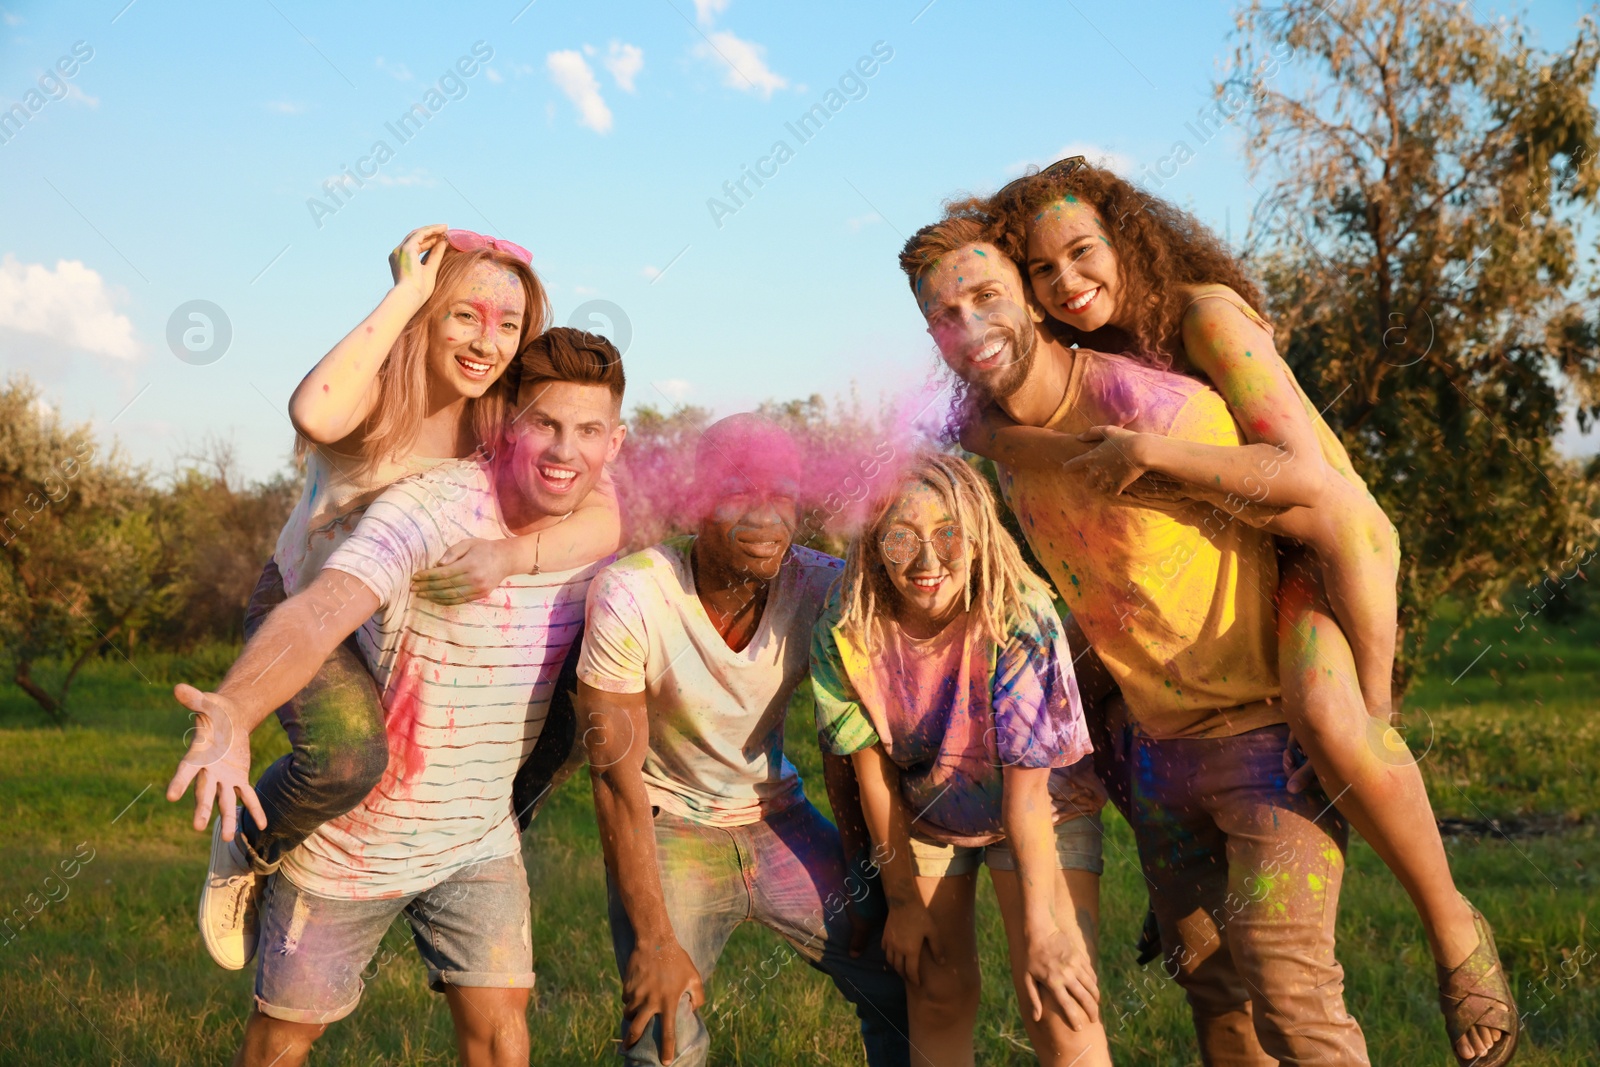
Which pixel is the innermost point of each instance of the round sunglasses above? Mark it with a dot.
(902, 546)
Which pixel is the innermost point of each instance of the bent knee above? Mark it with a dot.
(343, 772)
(946, 994)
(358, 768)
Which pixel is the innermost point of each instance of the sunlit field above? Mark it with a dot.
(106, 966)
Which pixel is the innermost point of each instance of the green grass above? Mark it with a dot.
(112, 971)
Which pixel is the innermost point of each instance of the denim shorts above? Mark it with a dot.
(316, 952)
(1078, 846)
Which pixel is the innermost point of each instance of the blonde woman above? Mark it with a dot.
(941, 669)
(417, 383)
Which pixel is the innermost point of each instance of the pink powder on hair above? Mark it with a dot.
(835, 457)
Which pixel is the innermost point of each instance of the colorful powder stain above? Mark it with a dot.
(402, 718)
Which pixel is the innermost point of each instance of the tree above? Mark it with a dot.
(79, 561)
(216, 530)
(1420, 255)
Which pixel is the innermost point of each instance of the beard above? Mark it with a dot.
(1003, 381)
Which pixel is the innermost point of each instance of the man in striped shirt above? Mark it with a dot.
(465, 690)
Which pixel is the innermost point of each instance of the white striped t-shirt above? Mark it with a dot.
(465, 692)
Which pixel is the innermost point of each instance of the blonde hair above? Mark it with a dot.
(997, 578)
(391, 429)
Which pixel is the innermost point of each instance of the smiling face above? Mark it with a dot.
(752, 515)
(475, 336)
(559, 445)
(1072, 267)
(932, 590)
(973, 302)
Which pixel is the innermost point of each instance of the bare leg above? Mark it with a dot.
(943, 1009)
(491, 1025)
(1054, 1042)
(275, 1042)
(1355, 545)
(1364, 767)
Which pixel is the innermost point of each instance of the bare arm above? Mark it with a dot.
(338, 395)
(855, 841)
(472, 569)
(617, 738)
(844, 797)
(1282, 464)
(995, 435)
(1058, 959)
(887, 819)
(283, 656)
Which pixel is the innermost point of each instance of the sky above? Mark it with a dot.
(203, 197)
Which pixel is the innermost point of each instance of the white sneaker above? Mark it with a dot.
(229, 902)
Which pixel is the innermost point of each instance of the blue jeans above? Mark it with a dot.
(788, 873)
(338, 748)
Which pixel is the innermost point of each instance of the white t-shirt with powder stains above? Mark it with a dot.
(716, 715)
(465, 693)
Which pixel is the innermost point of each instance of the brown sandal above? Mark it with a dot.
(1477, 993)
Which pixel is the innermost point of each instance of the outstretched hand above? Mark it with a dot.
(654, 985)
(218, 763)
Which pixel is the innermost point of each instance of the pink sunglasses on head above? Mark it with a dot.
(467, 241)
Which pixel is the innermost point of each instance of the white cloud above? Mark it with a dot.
(674, 389)
(585, 290)
(744, 63)
(650, 272)
(493, 75)
(287, 107)
(860, 221)
(707, 10)
(77, 95)
(624, 61)
(398, 71)
(572, 75)
(1114, 161)
(70, 305)
(13, 19)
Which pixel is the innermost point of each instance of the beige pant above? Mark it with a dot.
(1245, 881)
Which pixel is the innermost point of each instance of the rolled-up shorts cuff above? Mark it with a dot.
(439, 981)
(306, 1015)
(1079, 847)
(935, 859)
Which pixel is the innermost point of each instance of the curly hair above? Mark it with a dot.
(1159, 248)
